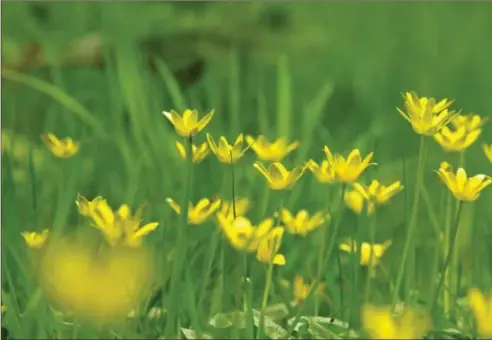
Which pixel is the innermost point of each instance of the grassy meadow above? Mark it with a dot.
(302, 239)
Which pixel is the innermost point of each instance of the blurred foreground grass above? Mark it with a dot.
(322, 73)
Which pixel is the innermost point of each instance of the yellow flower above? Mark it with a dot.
(481, 307)
(269, 246)
(278, 177)
(271, 151)
(467, 129)
(302, 223)
(302, 289)
(464, 188)
(225, 152)
(375, 194)
(348, 170)
(187, 125)
(85, 206)
(470, 121)
(426, 116)
(241, 206)
(369, 254)
(199, 213)
(324, 172)
(487, 149)
(380, 323)
(34, 239)
(62, 148)
(242, 234)
(199, 152)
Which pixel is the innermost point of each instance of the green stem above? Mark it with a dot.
(372, 237)
(413, 221)
(448, 257)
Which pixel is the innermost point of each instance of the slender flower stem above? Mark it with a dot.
(413, 220)
(372, 237)
(448, 257)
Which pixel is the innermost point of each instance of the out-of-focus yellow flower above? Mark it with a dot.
(481, 307)
(34, 239)
(302, 289)
(278, 177)
(469, 121)
(269, 246)
(199, 213)
(370, 254)
(4, 308)
(271, 151)
(225, 152)
(120, 228)
(242, 234)
(241, 206)
(466, 130)
(373, 195)
(102, 285)
(301, 223)
(464, 188)
(324, 172)
(426, 116)
(380, 323)
(348, 170)
(62, 148)
(199, 152)
(187, 125)
(487, 149)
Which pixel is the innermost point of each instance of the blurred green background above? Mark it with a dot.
(321, 72)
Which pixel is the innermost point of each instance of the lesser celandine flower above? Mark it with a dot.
(425, 114)
(370, 254)
(62, 148)
(278, 177)
(271, 151)
(381, 324)
(348, 170)
(302, 289)
(487, 149)
(199, 152)
(464, 188)
(370, 196)
(324, 172)
(225, 152)
(199, 213)
(481, 307)
(242, 234)
(34, 239)
(470, 121)
(187, 125)
(267, 251)
(85, 206)
(302, 223)
(240, 205)
(466, 130)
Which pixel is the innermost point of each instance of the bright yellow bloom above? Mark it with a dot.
(470, 121)
(487, 149)
(324, 172)
(369, 254)
(380, 323)
(301, 223)
(199, 213)
(269, 246)
(120, 228)
(62, 148)
(373, 195)
(481, 307)
(302, 289)
(103, 288)
(225, 152)
(456, 140)
(464, 188)
(199, 152)
(85, 206)
(278, 177)
(242, 234)
(271, 151)
(241, 206)
(348, 170)
(188, 124)
(426, 116)
(34, 239)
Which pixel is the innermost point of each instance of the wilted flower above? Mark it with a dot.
(370, 254)
(278, 177)
(487, 149)
(269, 246)
(188, 124)
(481, 307)
(199, 213)
(348, 170)
(324, 172)
(34, 239)
(301, 223)
(225, 152)
(381, 324)
(426, 116)
(464, 188)
(199, 152)
(62, 148)
(271, 151)
(373, 195)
